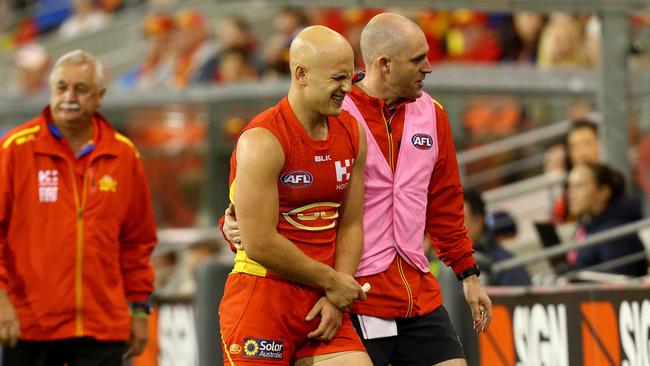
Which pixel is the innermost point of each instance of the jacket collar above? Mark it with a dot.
(375, 102)
(49, 140)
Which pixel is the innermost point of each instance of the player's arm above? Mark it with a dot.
(445, 223)
(259, 162)
(349, 244)
(349, 240)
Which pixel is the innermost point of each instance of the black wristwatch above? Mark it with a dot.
(473, 270)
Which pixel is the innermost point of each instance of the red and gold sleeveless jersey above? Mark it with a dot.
(312, 182)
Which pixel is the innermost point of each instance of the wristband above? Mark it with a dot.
(141, 306)
(138, 313)
(473, 270)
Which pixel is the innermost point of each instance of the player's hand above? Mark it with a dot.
(479, 302)
(231, 228)
(344, 291)
(139, 331)
(331, 319)
(9, 324)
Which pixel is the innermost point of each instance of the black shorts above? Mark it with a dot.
(426, 341)
(71, 352)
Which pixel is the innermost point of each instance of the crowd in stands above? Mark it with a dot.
(183, 48)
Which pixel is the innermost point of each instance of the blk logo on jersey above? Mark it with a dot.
(314, 217)
(322, 158)
(422, 141)
(262, 348)
(297, 179)
(48, 185)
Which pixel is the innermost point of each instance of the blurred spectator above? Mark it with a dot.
(597, 198)
(86, 18)
(157, 30)
(493, 116)
(286, 25)
(236, 58)
(582, 146)
(520, 37)
(582, 142)
(561, 43)
(193, 48)
(593, 29)
(555, 158)
(235, 66)
(435, 24)
(487, 239)
(470, 39)
(32, 64)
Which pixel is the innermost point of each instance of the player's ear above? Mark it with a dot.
(383, 62)
(300, 74)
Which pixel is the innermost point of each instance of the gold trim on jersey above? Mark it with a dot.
(297, 212)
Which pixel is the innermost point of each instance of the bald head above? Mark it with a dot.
(317, 44)
(387, 34)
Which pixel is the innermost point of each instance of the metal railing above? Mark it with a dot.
(562, 248)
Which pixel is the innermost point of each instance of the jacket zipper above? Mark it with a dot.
(80, 203)
(409, 292)
(390, 140)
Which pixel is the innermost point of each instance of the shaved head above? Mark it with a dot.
(316, 44)
(386, 34)
(322, 63)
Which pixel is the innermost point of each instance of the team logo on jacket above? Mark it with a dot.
(262, 348)
(314, 217)
(107, 184)
(234, 349)
(48, 185)
(422, 141)
(297, 179)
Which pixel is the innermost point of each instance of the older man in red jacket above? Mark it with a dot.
(76, 231)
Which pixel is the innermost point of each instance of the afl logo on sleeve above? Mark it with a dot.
(422, 141)
(297, 179)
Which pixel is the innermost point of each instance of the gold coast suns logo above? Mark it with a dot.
(314, 217)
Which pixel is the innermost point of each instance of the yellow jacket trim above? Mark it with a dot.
(438, 104)
(124, 139)
(21, 137)
(243, 264)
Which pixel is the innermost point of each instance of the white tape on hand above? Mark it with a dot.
(366, 287)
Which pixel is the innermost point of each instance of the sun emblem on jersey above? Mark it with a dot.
(314, 217)
(251, 347)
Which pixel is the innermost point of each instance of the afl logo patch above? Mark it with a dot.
(297, 179)
(422, 141)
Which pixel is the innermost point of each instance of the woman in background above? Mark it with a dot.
(597, 197)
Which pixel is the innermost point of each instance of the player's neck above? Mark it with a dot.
(374, 86)
(314, 123)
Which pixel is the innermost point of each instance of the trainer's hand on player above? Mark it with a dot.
(344, 291)
(9, 324)
(479, 302)
(331, 319)
(231, 228)
(139, 331)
